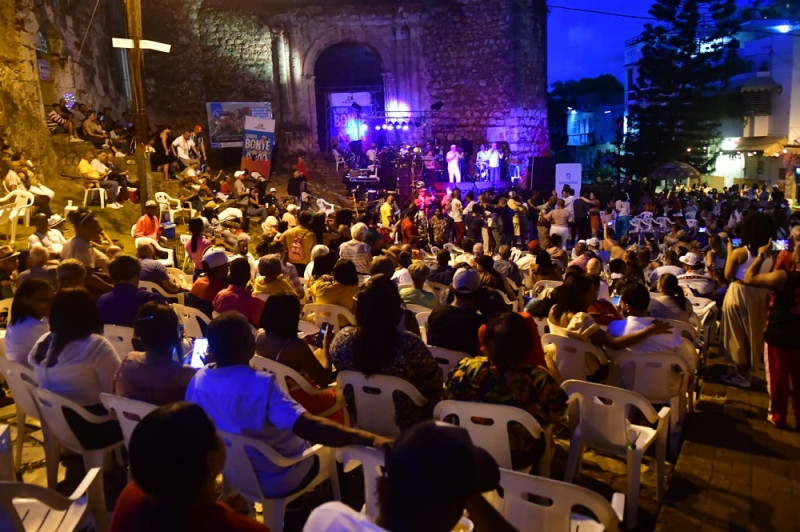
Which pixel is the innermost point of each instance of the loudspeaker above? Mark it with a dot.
(543, 177)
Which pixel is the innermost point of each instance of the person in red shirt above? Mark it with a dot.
(301, 167)
(408, 228)
(148, 225)
(175, 457)
(205, 288)
(237, 297)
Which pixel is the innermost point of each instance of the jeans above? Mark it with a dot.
(111, 188)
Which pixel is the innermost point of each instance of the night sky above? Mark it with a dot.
(588, 44)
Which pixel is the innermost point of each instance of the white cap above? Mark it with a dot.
(237, 173)
(690, 259)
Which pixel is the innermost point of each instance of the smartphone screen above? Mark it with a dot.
(199, 351)
(615, 300)
(736, 242)
(780, 245)
(321, 335)
(702, 229)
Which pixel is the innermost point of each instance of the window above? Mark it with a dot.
(42, 44)
(757, 103)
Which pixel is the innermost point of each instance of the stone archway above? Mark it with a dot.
(353, 68)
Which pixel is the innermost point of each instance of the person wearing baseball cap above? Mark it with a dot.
(694, 279)
(455, 326)
(205, 288)
(432, 473)
(147, 225)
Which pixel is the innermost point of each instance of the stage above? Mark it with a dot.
(477, 187)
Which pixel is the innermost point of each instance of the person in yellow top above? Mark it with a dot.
(270, 281)
(388, 218)
(339, 288)
(91, 176)
(299, 242)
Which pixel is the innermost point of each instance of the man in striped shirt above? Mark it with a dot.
(58, 123)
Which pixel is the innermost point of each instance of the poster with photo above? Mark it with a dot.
(226, 121)
(259, 139)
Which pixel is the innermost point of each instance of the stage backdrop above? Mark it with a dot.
(259, 138)
(226, 121)
(568, 174)
(347, 123)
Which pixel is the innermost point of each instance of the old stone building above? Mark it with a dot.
(483, 61)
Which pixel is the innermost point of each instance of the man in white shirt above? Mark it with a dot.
(670, 266)
(372, 154)
(453, 162)
(693, 280)
(482, 162)
(457, 214)
(494, 162)
(183, 147)
(241, 400)
(432, 474)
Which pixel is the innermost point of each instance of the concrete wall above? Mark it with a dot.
(486, 61)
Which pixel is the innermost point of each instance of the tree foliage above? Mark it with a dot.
(686, 57)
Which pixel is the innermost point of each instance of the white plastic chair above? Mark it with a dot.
(339, 162)
(120, 337)
(374, 400)
(416, 309)
(240, 475)
(153, 287)
(191, 318)
(422, 321)
(173, 207)
(446, 358)
(371, 461)
(185, 239)
(599, 419)
(20, 378)
(90, 188)
(284, 373)
(635, 227)
(325, 206)
(487, 425)
(178, 277)
(21, 202)
(570, 357)
(305, 327)
(169, 261)
(128, 412)
(513, 304)
(8, 222)
(438, 289)
(541, 286)
(552, 507)
(31, 507)
(649, 374)
(51, 408)
(327, 313)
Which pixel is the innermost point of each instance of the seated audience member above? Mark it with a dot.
(242, 400)
(277, 339)
(670, 303)
(205, 289)
(289, 271)
(41, 235)
(433, 473)
(175, 458)
(91, 177)
(55, 235)
(236, 297)
(544, 269)
(594, 268)
(317, 252)
(490, 278)
(694, 279)
(59, 121)
(83, 247)
(152, 373)
(443, 273)
(71, 273)
(670, 265)
(93, 131)
(29, 312)
(9, 264)
(455, 326)
(506, 267)
(270, 279)
(153, 271)
(38, 267)
(322, 266)
(376, 346)
(357, 250)
(417, 295)
(635, 300)
(339, 288)
(148, 225)
(120, 306)
(382, 265)
(401, 276)
(505, 376)
(581, 256)
(27, 183)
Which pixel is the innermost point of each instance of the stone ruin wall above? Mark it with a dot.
(486, 61)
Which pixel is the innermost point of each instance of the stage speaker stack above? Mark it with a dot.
(543, 177)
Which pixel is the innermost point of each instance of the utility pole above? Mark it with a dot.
(136, 61)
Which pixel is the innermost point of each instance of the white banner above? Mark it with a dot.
(568, 174)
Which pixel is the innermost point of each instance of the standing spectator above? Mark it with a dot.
(183, 148)
(196, 246)
(457, 214)
(438, 225)
(295, 188)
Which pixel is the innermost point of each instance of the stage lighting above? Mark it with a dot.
(405, 127)
(390, 127)
(384, 126)
(396, 125)
(364, 127)
(437, 106)
(377, 127)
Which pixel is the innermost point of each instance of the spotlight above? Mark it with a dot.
(364, 127)
(437, 106)
(405, 127)
(384, 126)
(390, 127)
(397, 125)
(377, 127)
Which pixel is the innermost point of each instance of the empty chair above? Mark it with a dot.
(488, 426)
(240, 475)
(284, 373)
(446, 358)
(422, 321)
(128, 412)
(53, 409)
(120, 337)
(185, 239)
(194, 321)
(89, 189)
(327, 313)
(173, 207)
(599, 419)
(438, 289)
(553, 503)
(31, 507)
(571, 354)
(371, 461)
(179, 278)
(374, 400)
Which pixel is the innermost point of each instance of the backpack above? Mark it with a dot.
(296, 251)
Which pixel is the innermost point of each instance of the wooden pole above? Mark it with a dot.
(136, 61)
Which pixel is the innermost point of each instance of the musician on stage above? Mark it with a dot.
(372, 154)
(429, 164)
(453, 165)
(494, 162)
(481, 161)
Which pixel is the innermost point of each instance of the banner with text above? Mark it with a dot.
(259, 139)
(226, 121)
